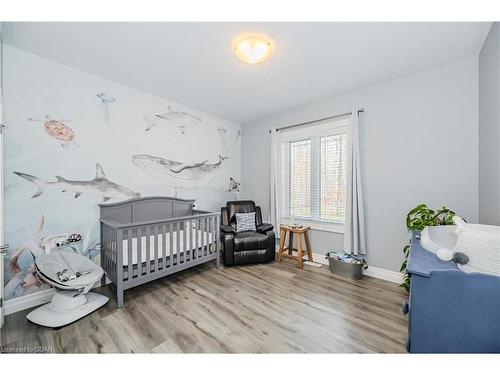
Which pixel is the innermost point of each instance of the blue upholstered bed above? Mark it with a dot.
(451, 311)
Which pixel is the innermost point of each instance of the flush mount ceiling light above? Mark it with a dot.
(253, 48)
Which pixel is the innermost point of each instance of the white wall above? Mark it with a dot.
(419, 144)
(36, 87)
(489, 128)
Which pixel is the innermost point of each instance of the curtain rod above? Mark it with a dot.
(321, 119)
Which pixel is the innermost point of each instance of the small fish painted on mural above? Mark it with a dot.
(167, 170)
(234, 186)
(100, 186)
(106, 100)
(181, 120)
(59, 130)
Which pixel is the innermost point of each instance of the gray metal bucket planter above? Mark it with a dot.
(346, 266)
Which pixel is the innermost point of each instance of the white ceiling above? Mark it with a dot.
(192, 63)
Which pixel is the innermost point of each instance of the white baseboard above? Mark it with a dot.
(30, 300)
(378, 273)
(382, 273)
(35, 299)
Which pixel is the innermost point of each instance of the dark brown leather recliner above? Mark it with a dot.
(245, 247)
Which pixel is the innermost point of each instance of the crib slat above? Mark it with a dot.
(113, 252)
(212, 232)
(192, 243)
(205, 234)
(148, 246)
(129, 253)
(207, 231)
(185, 244)
(105, 246)
(208, 236)
(164, 245)
(170, 244)
(202, 229)
(110, 251)
(113, 247)
(118, 240)
(190, 240)
(189, 232)
(198, 237)
(139, 252)
(202, 237)
(156, 247)
(178, 243)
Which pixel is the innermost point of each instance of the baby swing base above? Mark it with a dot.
(66, 308)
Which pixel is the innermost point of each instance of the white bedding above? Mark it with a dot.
(204, 238)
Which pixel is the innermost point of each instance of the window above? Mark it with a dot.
(315, 172)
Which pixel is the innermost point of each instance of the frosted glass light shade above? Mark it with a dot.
(252, 48)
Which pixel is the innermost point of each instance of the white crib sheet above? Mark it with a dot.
(204, 238)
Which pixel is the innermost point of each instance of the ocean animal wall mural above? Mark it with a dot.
(106, 101)
(58, 130)
(54, 185)
(179, 119)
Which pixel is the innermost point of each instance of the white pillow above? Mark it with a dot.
(245, 222)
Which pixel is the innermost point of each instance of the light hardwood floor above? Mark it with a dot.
(270, 308)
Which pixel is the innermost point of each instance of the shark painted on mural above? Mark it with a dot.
(100, 185)
(180, 119)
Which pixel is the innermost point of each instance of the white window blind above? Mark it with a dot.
(316, 166)
(333, 183)
(300, 178)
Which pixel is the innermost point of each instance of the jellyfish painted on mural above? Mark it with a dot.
(106, 100)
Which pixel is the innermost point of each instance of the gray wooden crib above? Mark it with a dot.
(144, 239)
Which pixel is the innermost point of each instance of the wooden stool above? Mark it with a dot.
(297, 232)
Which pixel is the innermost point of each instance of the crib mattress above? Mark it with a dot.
(194, 239)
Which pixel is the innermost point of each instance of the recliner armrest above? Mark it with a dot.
(227, 229)
(264, 227)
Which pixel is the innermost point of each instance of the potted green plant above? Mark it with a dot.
(417, 219)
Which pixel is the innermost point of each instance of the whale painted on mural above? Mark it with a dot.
(170, 170)
(100, 185)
